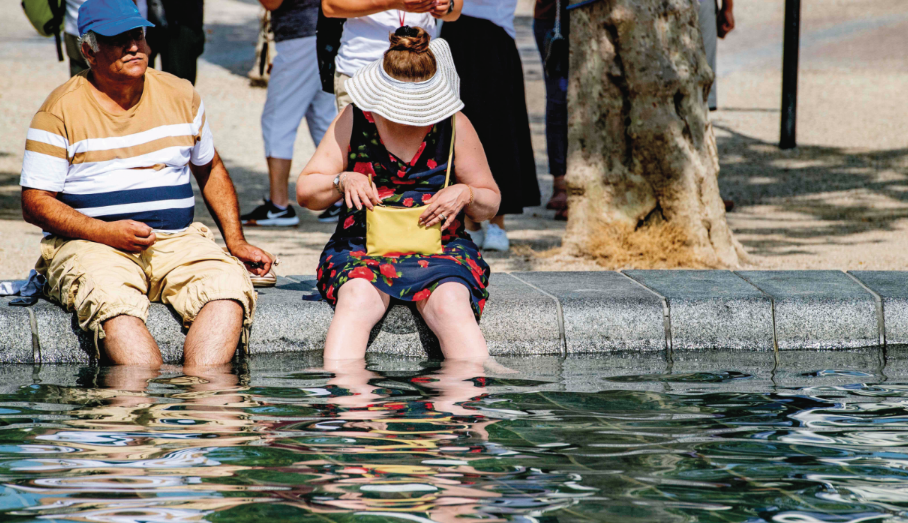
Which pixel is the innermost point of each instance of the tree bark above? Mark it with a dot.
(642, 159)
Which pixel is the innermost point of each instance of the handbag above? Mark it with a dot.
(557, 51)
(397, 229)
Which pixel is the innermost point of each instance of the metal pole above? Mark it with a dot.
(790, 74)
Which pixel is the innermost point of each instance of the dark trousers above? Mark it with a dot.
(179, 47)
(555, 103)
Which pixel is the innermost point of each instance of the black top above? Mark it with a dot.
(294, 19)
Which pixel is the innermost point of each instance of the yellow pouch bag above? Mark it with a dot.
(397, 229)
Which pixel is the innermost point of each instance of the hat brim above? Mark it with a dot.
(115, 27)
(409, 103)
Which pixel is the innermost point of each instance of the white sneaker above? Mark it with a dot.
(478, 237)
(496, 239)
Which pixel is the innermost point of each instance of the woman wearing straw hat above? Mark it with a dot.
(392, 147)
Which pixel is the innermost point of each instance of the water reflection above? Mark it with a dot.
(451, 442)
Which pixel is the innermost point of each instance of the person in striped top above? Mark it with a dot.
(106, 175)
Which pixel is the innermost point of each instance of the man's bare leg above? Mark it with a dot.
(279, 176)
(214, 334)
(128, 342)
(126, 379)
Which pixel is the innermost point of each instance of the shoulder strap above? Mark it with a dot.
(451, 154)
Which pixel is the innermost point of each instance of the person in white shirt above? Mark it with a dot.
(485, 54)
(365, 37)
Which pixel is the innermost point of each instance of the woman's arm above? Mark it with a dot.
(315, 185)
(473, 172)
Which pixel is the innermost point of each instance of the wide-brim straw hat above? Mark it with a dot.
(410, 103)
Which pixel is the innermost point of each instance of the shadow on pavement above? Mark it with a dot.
(231, 46)
(755, 172)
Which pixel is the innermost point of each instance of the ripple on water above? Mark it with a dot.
(446, 443)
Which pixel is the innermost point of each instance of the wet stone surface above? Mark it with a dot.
(818, 309)
(892, 287)
(15, 334)
(603, 311)
(712, 309)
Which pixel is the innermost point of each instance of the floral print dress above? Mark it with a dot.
(403, 276)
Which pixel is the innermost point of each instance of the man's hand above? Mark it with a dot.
(417, 6)
(442, 8)
(726, 20)
(128, 235)
(256, 260)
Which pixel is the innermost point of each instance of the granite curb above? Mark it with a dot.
(554, 313)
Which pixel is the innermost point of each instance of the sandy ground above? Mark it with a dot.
(839, 201)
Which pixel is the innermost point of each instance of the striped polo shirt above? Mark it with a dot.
(131, 166)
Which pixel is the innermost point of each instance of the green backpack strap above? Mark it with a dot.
(58, 8)
(46, 16)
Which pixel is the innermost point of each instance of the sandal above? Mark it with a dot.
(267, 280)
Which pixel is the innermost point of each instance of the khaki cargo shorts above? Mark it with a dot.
(341, 96)
(185, 270)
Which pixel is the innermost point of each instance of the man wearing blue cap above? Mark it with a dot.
(106, 174)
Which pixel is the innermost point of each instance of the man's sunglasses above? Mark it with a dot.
(123, 39)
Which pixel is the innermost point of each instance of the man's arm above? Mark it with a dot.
(220, 198)
(357, 8)
(42, 208)
(271, 5)
(726, 17)
(449, 10)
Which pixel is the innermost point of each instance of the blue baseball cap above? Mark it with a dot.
(110, 17)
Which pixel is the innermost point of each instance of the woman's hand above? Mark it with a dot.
(359, 191)
(445, 206)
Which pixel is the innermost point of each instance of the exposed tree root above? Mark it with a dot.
(658, 246)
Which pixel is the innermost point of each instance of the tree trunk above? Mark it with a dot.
(642, 159)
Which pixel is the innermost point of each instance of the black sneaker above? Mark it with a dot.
(331, 214)
(267, 215)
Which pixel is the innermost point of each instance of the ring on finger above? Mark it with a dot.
(442, 217)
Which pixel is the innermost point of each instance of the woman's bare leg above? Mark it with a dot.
(449, 315)
(471, 225)
(359, 307)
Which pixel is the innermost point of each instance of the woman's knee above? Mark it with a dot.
(361, 297)
(449, 300)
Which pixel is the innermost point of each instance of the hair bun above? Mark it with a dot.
(412, 39)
